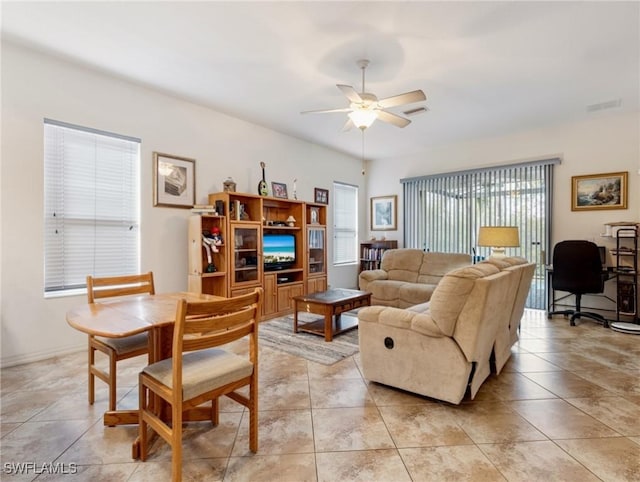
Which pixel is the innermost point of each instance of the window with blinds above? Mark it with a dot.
(444, 212)
(345, 223)
(92, 212)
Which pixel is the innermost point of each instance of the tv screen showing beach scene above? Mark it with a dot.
(279, 250)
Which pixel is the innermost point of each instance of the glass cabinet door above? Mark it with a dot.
(317, 254)
(246, 267)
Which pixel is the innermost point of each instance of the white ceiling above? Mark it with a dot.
(487, 68)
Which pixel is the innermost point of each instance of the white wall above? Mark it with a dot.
(35, 86)
(607, 142)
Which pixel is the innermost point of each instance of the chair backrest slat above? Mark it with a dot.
(206, 324)
(216, 339)
(108, 287)
(217, 323)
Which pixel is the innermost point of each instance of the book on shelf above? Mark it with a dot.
(373, 253)
(203, 209)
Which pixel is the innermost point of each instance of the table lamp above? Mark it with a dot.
(498, 238)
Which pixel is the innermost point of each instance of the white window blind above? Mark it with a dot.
(345, 223)
(92, 212)
(443, 212)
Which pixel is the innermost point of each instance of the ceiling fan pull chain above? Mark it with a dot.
(363, 163)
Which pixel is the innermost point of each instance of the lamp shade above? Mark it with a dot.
(498, 238)
(363, 118)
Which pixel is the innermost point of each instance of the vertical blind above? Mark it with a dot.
(345, 223)
(444, 212)
(91, 205)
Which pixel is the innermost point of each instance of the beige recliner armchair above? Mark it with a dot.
(445, 350)
(508, 333)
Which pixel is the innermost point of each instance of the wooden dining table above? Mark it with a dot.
(131, 315)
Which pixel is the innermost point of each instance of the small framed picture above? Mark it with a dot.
(279, 190)
(314, 215)
(321, 196)
(599, 191)
(174, 181)
(384, 213)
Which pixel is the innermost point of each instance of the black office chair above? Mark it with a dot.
(577, 269)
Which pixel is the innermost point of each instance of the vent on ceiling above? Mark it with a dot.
(609, 104)
(416, 111)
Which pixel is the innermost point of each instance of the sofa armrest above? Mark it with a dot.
(366, 277)
(409, 320)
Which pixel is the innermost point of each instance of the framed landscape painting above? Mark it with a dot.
(599, 191)
(384, 213)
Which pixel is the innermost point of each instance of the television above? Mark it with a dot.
(279, 251)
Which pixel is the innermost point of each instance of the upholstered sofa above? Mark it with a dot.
(408, 277)
(445, 347)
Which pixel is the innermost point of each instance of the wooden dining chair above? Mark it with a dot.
(199, 371)
(115, 348)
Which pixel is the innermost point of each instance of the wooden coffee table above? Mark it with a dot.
(331, 303)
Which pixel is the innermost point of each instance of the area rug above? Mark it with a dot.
(278, 334)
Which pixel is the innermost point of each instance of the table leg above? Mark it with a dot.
(135, 449)
(328, 323)
(295, 316)
(130, 417)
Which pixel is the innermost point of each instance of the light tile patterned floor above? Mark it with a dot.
(566, 407)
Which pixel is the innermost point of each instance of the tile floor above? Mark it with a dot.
(566, 407)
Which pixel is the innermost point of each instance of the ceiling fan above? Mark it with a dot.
(365, 108)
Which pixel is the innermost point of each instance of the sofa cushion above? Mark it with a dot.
(434, 266)
(410, 294)
(385, 292)
(402, 264)
(420, 308)
(451, 294)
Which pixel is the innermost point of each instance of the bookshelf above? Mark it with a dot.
(371, 253)
(243, 220)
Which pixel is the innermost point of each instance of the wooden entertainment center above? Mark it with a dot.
(244, 221)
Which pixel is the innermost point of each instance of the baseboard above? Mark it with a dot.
(11, 361)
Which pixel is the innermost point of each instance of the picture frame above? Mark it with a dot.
(314, 215)
(384, 213)
(174, 181)
(279, 190)
(599, 191)
(321, 196)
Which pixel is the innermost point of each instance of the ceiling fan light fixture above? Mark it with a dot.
(363, 118)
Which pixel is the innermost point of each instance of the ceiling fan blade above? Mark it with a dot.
(406, 98)
(350, 93)
(348, 125)
(327, 111)
(394, 119)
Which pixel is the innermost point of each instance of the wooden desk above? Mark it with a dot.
(128, 316)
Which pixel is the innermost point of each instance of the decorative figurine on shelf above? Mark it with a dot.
(229, 185)
(244, 215)
(291, 221)
(216, 237)
(209, 246)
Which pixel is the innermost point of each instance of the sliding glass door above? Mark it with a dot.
(444, 212)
